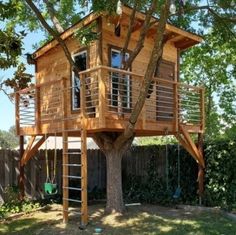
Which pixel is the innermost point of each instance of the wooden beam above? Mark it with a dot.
(169, 27)
(33, 150)
(202, 108)
(26, 152)
(186, 146)
(38, 110)
(65, 182)
(137, 25)
(84, 193)
(102, 104)
(17, 111)
(192, 146)
(201, 172)
(21, 179)
(84, 175)
(85, 21)
(185, 44)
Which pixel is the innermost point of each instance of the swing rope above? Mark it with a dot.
(178, 166)
(46, 158)
(50, 186)
(55, 160)
(167, 163)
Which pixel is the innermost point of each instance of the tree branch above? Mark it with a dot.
(128, 36)
(144, 30)
(53, 33)
(155, 57)
(53, 17)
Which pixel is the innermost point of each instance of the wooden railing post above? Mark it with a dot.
(38, 110)
(84, 206)
(101, 97)
(17, 111)
(202, 108)
(176, 107)
(144, 114)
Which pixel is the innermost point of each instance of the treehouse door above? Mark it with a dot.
(164, 91)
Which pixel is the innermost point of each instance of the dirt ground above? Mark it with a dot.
(144, 219)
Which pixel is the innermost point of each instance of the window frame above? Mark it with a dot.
(129, 83)
(82, 51)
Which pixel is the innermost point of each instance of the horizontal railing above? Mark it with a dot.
(111, 93)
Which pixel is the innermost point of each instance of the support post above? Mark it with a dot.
(176, 107)
(65, 182)
(200, 170)
(84, 206)
(21, 170)
(102, 99)
(17, 110)
(202, 108)
(38, 110)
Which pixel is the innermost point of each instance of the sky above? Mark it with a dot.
(7, 109)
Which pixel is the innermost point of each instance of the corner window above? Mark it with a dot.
(80, 60)
(120, 85)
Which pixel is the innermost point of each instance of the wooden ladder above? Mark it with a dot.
(75, 177)
(79, 162)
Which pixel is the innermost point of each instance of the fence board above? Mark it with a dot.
(135, 162)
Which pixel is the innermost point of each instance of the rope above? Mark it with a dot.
(167, 163)
(46, 157)
(178, 166)
(55, 159)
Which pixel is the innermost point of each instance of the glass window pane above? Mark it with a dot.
(81, 62)
(125, 88)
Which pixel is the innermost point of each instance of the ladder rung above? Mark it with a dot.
(69, 130)
(72, 141)
(79, 165)
(72, 188)
(74, 212)
(72, 153)
(72, 176)
(72, 200)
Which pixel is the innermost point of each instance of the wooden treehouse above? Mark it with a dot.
(102, 96)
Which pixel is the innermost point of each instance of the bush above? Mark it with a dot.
(220, 180)
(13, 205)
(220, 173)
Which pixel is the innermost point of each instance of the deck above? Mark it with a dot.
(107, 96)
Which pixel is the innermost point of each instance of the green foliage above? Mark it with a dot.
(8, 139)
(212, 64)
(87, 34)
(152, 188)
(12, 204)
(20, 80)
(157, 140)
(220, 184)
(220, 173)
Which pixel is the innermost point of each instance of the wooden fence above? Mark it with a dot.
(135, 162)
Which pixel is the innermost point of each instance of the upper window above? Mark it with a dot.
(80, 60)
(120, 86)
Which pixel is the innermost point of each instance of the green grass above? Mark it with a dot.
(150, 220)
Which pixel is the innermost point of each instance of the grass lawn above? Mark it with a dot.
(145, 219)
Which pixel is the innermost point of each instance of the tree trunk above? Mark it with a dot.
(114, 154)
(114, 181)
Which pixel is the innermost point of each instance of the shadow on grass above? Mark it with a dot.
(149, 220)
(21, 226)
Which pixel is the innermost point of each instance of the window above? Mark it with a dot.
(120, 86)
(80, 60)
